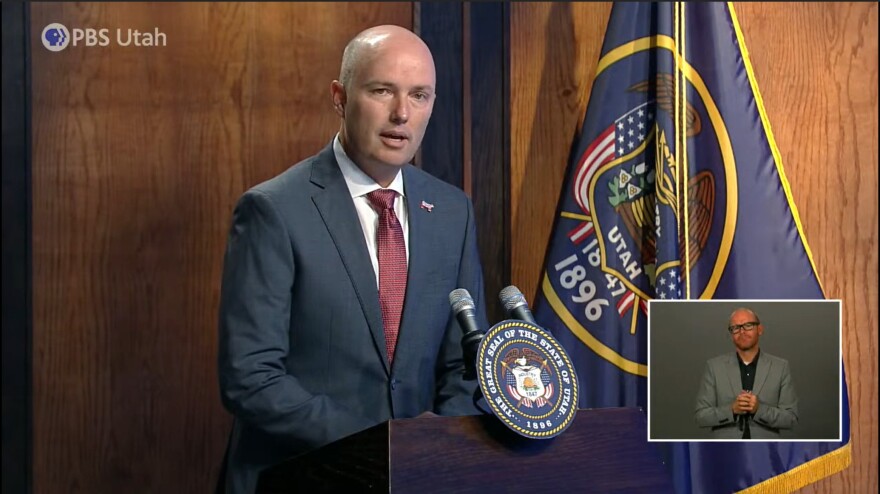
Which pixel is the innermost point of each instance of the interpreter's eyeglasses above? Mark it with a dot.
(746, 326)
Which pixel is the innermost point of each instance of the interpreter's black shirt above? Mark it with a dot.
(747, 375)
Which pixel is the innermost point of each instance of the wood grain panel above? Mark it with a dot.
(818, 77)
(16, 247)
(138, 157)
(488, 156)
(554, 48)
(441, 151)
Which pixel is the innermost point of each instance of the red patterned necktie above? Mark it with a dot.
(392, 265)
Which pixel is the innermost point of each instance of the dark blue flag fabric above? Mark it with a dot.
(675, 190)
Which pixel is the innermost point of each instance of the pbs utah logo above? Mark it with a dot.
(55, 37)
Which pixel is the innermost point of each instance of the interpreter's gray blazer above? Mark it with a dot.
(302, 358)
(721, 383)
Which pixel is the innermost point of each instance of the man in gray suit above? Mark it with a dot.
(746, 394)
(334, 311)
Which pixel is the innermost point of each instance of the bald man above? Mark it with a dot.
(747, 393)
(334, 312)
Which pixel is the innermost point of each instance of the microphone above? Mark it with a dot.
(465, 312)
(515, 304)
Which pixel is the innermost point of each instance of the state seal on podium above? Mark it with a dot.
(527, 379)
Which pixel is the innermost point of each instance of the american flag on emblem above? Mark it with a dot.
(627, 133)
(669, 285)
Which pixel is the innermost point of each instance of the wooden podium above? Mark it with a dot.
(603, 450)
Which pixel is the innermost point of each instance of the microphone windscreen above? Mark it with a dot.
(460, 299)
(512, 298)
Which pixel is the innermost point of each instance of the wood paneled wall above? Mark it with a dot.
(816, 65)
(139, 154)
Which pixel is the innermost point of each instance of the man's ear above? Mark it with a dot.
(338, 96)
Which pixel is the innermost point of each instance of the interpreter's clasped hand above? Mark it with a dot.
(745, 402)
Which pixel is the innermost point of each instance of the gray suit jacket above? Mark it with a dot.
(721, 384)
(302, 357)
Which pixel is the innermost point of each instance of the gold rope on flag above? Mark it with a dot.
(685, 167)
(676, 120)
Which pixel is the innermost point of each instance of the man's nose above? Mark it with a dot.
(400, 110)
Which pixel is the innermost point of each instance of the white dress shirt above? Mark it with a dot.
(359, 185)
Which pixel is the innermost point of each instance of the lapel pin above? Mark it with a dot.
(427, 206)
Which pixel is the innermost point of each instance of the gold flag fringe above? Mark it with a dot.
(802, 475)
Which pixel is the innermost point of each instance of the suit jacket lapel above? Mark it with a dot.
(334, 204)
(733, 374)
(419, 245)
(761, 373)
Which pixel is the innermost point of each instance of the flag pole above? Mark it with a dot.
(681, 58)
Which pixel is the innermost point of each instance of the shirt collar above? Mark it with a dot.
(753, 362)
(359, 183)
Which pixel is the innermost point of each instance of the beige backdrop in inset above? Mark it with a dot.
(139, 154)
(816, 66)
